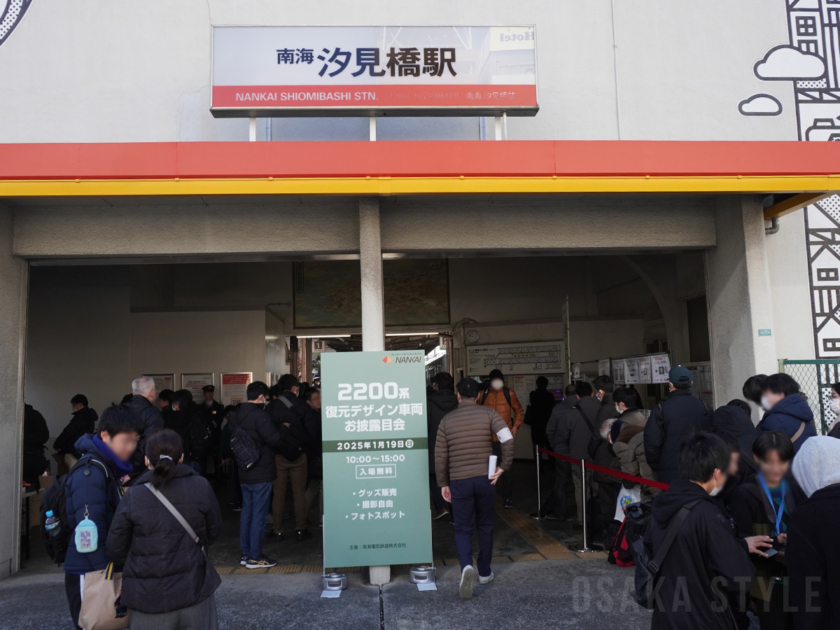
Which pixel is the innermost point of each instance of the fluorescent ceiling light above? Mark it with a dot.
(322, 336)
(411, 334)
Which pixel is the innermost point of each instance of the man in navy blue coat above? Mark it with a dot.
(787, 410)
(676, 418)
(92, 491)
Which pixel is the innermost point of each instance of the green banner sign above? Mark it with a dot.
(376, 463)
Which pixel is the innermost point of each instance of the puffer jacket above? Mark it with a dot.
(632, 460)
(164, 569)
(92, 490)
(787, 416)
(495, 399)
(463, 445)
(438, 404)
(150, 419)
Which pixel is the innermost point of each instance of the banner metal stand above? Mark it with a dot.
(584, 548)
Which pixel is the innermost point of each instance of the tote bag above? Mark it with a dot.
(99, 601)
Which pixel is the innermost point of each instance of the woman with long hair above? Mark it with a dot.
(160, 533)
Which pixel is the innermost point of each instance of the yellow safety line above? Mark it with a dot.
(418, 185)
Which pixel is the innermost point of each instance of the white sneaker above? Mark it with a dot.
(466, 587)
(486, 580)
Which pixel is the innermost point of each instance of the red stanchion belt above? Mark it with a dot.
(607, 471)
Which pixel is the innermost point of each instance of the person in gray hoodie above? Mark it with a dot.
(812, 553)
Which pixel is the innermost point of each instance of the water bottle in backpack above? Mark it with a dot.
(52, 525)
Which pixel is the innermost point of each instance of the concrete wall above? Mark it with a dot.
(135, 72)
(289, 226)
(13, 300)
(739, 297)
(83, 338)
(787, 256)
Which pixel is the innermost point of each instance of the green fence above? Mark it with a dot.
(815, 379)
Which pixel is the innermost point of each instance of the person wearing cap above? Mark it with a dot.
(505, 403)
(212, 413)
(672, 421)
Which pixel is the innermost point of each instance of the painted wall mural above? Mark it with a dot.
(810, 61)
(11, 13)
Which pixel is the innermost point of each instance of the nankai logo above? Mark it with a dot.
(10, 16)
(403, 360)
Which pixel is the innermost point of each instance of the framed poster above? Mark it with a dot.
(163, 381)
(234, 385)
(376, 461)
(618, 372)
(661, 365)
(195, 382)
(523, 385)
(644, 370)
(604, 367)
(535, 357)
(329, 293)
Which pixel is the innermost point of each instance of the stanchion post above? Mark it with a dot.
(539, 498)
(584, 548)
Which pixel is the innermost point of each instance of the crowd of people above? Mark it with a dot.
(747, 520)
(745, 524)
(150, 455)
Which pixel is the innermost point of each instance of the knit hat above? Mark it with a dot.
(817, 464)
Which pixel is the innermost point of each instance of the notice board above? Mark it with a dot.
(535, 357)
(376, 469)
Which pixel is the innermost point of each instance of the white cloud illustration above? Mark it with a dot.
(786, 63)
(760, 105)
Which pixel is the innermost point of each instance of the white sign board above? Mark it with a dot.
(660, 366)
(234, 386)
(536, 357)
(604, 367)
(365, 70)
(196, 382)
(524, 384)
(163, 381)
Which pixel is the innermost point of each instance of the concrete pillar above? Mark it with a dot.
(13, 299)
(373, 305)
(373, 284)
(738, 295)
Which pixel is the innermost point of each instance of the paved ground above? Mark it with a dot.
(549, 594)
(539, 584)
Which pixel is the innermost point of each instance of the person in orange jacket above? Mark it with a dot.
(506, 404)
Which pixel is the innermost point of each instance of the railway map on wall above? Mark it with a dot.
(536, 357)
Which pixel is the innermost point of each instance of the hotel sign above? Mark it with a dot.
(367, 70)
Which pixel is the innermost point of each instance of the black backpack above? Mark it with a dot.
(637, 518)
(54, 499)
(245, 450)
(200, 438)
(295, 439)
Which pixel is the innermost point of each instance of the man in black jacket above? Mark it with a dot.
(36, 434)
(256, 482)
(438, 404)
(83, 421)
(671, 422)
(212, 413)
(148, 416)
(706, 564)
(289, 410)
(554, 508)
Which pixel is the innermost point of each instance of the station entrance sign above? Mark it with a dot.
(373, 71)
(375, 441)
